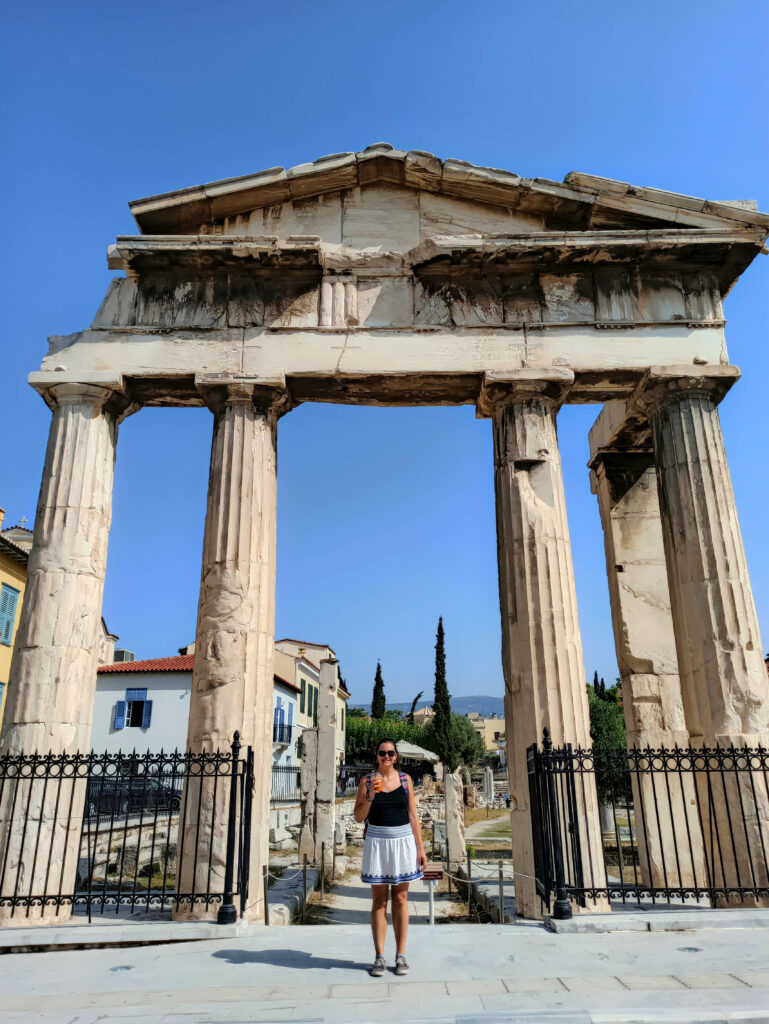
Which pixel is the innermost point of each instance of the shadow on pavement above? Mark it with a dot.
(287, 958)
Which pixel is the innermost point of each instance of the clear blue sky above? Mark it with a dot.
(385, 516)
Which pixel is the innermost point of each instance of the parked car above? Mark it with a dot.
(119, 795)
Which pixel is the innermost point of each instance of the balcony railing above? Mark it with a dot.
(282, 733)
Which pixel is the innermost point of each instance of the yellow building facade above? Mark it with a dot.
(13, 580)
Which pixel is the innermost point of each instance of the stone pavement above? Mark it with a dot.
(459, 973)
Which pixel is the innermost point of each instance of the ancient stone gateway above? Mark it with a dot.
(393, 278)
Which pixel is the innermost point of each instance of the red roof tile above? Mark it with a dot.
(180, 663)
(285, 682)
(302, 643)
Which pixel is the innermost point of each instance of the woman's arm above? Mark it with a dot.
(416, 828)
(362, 802)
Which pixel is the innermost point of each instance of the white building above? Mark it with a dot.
(144, 705)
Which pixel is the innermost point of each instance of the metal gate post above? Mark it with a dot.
(562, 907)
(247, 801)
(228, 914)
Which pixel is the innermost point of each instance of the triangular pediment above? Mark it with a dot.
(490, 201)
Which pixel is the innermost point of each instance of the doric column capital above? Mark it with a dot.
(662, 385)
(105, 392)
(502, 387)
(268, 394)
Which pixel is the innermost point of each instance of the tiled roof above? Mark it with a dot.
(180, 663)
(13, 550)
(285, 682)
(302, 643)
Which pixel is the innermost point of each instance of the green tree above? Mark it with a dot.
(356, 713)
(378, 697)
(415, 701)
(441, 723)
(607, 731)
(363, 735)
(465, 746)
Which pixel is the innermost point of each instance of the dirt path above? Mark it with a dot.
(349, 902)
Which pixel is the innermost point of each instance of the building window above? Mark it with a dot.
(9, 598)
(343, 711)
(301, 698)
(135, 712)
(315, 691)
(2, 694)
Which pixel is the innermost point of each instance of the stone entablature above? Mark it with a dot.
(401, 279)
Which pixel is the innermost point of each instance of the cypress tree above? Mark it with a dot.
(596, 687)
(442, 705)
(378, 697)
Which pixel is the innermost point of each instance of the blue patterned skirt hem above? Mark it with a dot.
(391, 879)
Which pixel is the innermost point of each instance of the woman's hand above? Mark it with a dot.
(421, 858)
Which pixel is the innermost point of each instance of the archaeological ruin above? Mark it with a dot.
(395, 278)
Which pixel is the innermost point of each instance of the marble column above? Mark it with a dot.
(232, 679)
(541, 644)
(724, 682)
(53, 673)
(318, 774)
(667, 826)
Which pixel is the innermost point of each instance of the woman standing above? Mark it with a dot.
(393, 853)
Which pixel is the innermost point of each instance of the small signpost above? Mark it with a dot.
(432, 873)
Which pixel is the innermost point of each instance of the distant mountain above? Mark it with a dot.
(484, 705)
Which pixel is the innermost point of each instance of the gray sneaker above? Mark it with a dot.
(401, 967)
(378, 968)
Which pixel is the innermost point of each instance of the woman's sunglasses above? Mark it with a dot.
(386, 753)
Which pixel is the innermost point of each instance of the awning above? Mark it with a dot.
(415, 753)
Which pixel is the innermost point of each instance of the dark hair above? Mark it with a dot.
(387, 739)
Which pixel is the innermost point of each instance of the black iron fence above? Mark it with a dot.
(101, 832)
(285, 784)
(680, 825)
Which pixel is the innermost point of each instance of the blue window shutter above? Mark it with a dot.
(120, 707)
(136, 694)
(147, 715)
(9, 597)
(290, 713)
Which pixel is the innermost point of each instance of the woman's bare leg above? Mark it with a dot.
(379, 895)
(400, 913)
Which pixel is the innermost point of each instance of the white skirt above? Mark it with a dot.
(389, 855)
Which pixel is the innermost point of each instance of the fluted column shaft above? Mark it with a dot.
(723, 677)
(667, 827)
(232, 678)
(541, 645)
(626, 488)
(720, 657)
(53, 672)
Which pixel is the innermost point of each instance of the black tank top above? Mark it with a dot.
(389, 809)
